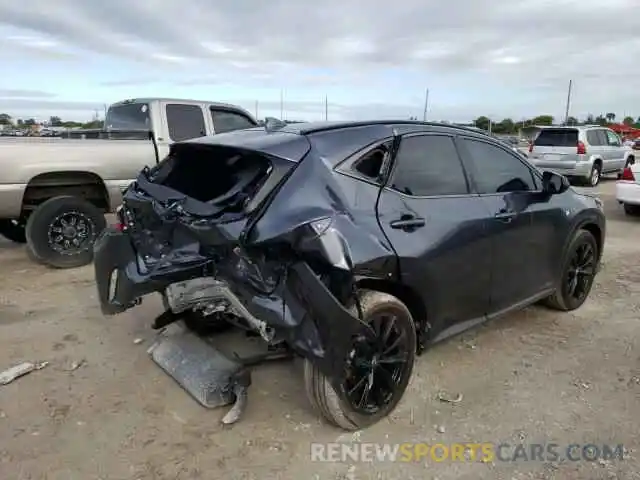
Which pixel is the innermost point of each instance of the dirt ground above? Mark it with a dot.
(538, 376)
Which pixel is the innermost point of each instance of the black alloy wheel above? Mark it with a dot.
(377, 369)
(578, 273)
(62, 230)
(71, 233)
(377, 365)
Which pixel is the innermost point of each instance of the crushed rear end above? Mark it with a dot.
(234, 222)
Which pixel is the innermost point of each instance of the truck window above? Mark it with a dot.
(128, 116)
(226, 121)
(185, 121)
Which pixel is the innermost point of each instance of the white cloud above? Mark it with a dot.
(530, 48)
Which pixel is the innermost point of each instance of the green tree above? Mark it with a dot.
(628, 121)
(543, 120)
(572, 121)
(55, 121)
(601, 120)
(5, 119)
(30, 122)
(590, 120)
(610, 117)
(482, 122)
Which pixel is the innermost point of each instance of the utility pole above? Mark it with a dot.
(566, 113)
(256, 107)
(426, 105)
(326, 108)
(281, 104)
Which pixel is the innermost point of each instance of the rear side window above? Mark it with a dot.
(428, 165)
(561, 137)
(612, 139)
(593, 138)
(226, 121)
(185, 122)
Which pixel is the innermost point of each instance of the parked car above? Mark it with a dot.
(628, 190)
(636, 144)
(54, 192)
(581, 153)
(356, 245)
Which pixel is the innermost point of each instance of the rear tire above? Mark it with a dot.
(631, 210)
(579, 268)
(340, 410)
(61, 231)
(594, 176)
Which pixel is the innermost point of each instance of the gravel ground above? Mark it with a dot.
(537, 376)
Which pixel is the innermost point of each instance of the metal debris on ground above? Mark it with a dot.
(138, 341)
(440, 429)
(10, 374)
(446, 398)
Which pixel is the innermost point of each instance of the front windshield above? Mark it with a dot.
(129, 116)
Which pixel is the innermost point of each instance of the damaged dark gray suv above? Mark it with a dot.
(353, 245)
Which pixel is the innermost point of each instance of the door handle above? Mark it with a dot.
(407, 223)
(505, 216)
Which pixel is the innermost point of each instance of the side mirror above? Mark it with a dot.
(554, 183)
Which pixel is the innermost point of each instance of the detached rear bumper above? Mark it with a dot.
(300, 309)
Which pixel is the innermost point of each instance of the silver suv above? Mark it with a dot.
(583, 153)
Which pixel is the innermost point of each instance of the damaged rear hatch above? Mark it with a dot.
(165, 226)
(197, 215)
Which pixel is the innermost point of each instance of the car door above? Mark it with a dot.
(520, 229)
(615, 158)
(438, 229)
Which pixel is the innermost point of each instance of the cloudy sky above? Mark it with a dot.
(372, 58)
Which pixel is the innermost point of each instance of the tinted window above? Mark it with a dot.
(602, 137)
(497, 171)
(593, 138)
(557, 137)
(226, 121)
(185, 122)
(428, 165)
(128, 116)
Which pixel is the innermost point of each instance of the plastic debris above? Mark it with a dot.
(138, 341)
(20, 370)
(444, 397)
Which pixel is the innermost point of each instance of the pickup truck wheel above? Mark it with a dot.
(61, 231)
(13, 230)
(377, 370)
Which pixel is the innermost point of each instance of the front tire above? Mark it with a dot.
(13, 230)
(378, 373)
(578, 273)
(61, 231)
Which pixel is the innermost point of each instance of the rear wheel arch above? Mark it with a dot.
(408, 296)
(83, 184)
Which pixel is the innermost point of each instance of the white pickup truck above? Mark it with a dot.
(54, 192)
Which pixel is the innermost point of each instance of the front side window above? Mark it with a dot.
(496, 170)
(612, 139)
(428, 165)
(185, 122)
